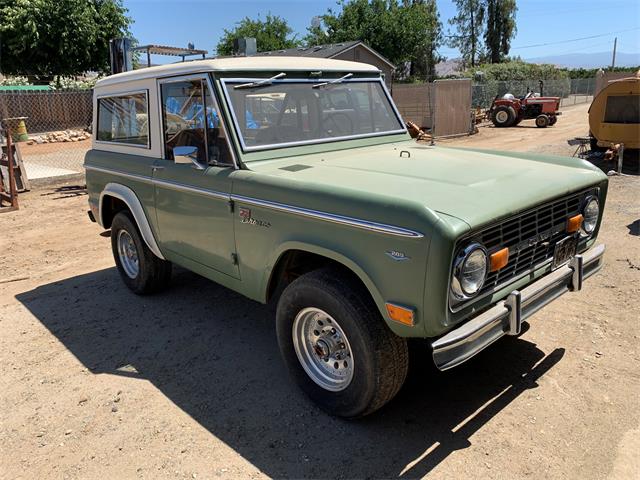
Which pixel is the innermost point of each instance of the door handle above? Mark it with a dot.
(155, 168)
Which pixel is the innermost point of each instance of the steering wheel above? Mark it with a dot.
(338, 125)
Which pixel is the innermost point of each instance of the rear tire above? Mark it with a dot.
(553, 120)
(542, 121)
(138, 266)
(320, 313)
(503, 116)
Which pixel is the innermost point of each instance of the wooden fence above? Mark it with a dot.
(452, 107)
(443, 106)
(48, 110)
(414, 102)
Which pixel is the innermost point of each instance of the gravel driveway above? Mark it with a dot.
(99, 383)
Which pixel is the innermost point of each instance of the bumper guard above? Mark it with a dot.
(506, 317)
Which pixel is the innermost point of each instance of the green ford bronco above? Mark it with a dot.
(295, 180)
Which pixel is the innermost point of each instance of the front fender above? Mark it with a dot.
(347, 262)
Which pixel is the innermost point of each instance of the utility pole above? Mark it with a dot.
(613, 60)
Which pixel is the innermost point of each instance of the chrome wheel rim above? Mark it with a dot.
(128, 254)
(502, 116)
(323, 349)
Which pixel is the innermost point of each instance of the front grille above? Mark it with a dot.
(530, 237)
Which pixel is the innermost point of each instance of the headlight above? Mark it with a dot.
(469, 271)
(590, 213)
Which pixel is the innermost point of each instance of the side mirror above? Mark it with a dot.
(187, 154)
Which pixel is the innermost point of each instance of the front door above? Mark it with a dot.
(192, 199)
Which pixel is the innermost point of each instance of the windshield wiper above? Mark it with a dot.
(333, 82)
(261, 83)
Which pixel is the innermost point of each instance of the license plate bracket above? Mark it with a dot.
(564, 251)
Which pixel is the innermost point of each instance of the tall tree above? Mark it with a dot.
(469, 23)
(59, 37)
(407, 31)
(501, 28)
(274, 33)
(422, 16)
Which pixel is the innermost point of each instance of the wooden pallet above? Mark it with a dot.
(8, 191)
(20, 174)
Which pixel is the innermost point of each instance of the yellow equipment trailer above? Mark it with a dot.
(614, 115)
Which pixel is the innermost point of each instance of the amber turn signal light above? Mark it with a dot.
(574, 223)
(499, 259)
(400, 314)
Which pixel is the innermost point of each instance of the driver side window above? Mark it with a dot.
(191, 118)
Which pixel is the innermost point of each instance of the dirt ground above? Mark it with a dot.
(46, 148)
(99, 383)
(526, 137)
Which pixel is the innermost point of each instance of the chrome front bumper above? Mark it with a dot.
(505, 318)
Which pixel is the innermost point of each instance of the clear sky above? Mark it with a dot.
(555, 23)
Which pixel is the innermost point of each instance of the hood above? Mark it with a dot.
(475, 186)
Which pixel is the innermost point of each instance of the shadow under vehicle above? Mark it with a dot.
(211, 353)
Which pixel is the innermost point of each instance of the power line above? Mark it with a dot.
(574, 39)
(581, 49)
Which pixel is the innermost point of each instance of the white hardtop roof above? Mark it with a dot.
(240, 64)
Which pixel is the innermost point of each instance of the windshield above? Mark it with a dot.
(284, 113)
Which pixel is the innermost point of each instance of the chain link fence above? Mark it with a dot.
(571, 91)
(58, 129)
(59, 122)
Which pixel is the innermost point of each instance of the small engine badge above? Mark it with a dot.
(397, 256)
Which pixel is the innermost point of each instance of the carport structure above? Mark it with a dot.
(170, 51)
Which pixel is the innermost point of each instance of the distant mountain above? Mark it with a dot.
(450, 67)
(589, 60)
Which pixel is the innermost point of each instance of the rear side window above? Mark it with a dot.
(124, 119)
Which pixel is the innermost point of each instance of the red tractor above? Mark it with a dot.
(509, 110)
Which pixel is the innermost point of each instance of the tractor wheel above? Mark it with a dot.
(552, 121)
(503, 116)
(542, 121)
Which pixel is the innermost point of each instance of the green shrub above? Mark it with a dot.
(70, 83)
(516, 77)
(591, 72)
(516, 70)
(14, 81)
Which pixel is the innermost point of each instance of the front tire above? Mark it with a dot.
(139, 268)
(542, 121)
(336, 345)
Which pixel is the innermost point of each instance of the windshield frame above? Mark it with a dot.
(227, 83)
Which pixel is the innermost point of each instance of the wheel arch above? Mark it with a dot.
(292, 251)
(127, 196)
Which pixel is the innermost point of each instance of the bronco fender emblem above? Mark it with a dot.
(245, 216)
(397, 256)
